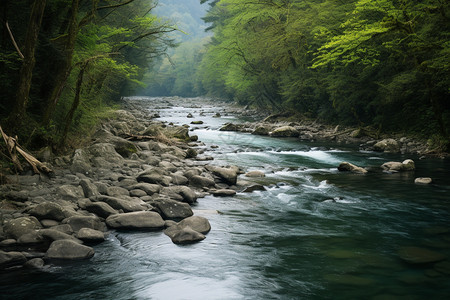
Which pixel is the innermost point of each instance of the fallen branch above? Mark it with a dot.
(135, 137)
(13, 147)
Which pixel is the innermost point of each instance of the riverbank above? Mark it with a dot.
(136, 173)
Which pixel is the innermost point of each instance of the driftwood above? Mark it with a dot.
(14, 148)
(135, 137)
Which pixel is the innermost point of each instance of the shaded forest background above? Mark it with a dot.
(382, 64)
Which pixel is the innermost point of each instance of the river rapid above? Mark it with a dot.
(314, 233)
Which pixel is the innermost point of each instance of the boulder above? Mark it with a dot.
(90, 235)
(348, 167)
(181, 192)
(201, 182)
(253, 188)
(101, 209)
(93, 222)
(223, 193)
(15, 228)
(70, 192)
(107, 152)
(197, 223)
(155, 178)
(285, 131)
(148, 188)
(10, 259)
(119, 203)
(255, 174)
(179, 179)
(231, 127)
(392, 166)
(417, 255)
(136, 220)
(227, 175)
(171, 209)
(387, 145)
(261, 130)
(67, 249)
(197, 122)
(89, 189)
(138, 193)
(80, 162)
(116, 191)
(55, 235)
(423, 180)
(48, 210)
(34, 263)
(187, 236)
(31, 238)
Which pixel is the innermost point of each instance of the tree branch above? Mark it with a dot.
(14, 41)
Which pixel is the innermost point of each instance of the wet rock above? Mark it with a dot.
(46, 223)
(93, 222)
(197, 122)
(10, 259)
(89, 189)
(187, 236)
(285, 131)
(197, 223)
(423, 180)
(261, 130)
(136, 220)
(34, 263)
(253, 188)
(101, 209)
(417, 255)
(348, 167)
(255, 174)
(392, 166)
(223, 193)
(90, 235)
(387, 145)
(67, 249)
(231, 127)
(189, 115)
(228, 175)
(15, 228)
(31, 238)
(201, 182)
(171, 209)
(119, 203)
(48, 210)
(184, 193)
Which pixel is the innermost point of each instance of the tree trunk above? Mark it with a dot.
(26, 71)
(66, 64)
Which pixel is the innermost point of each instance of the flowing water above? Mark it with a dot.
(313, 234)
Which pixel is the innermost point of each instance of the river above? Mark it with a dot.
(314, 233)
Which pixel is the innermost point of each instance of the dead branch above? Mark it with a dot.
(14, 147)
(14, 41)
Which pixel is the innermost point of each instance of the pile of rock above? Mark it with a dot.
(112, 184)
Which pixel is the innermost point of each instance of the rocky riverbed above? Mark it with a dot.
(137, 173)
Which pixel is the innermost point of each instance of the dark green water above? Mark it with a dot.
(313, 234)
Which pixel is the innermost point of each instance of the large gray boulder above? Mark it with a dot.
(93, 222)
(70, 192)
(231, 127)
(89, 189)
(285, 131)
(136, 220)
(101, 209)
(55, 235)
(148, 188)
(387, 145)
(255, 174)
(348, 167)
(172, 210)
(10, 259)
(393, 166)
(67, 249)
(224, 193)
(90, 235)
(227, 175)
(187, 236)
(119, 203)
(48, 210)
(182, 193)
(201, 182)
(15, 228)
(154, 176)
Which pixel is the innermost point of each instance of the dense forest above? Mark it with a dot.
(383, 63)
(65, 62)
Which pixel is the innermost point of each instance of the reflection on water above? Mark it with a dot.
(314, 233)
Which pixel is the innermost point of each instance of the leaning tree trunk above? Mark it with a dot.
(26, 71)
(66, 64)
